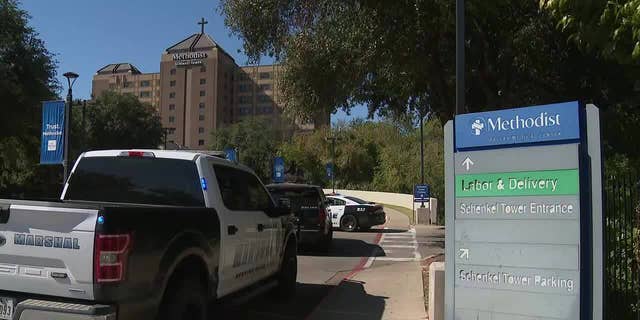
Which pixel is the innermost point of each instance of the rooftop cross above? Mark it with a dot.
(202, 23)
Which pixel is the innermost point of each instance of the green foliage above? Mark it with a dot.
(610, 28)
(398, 56)
(121, 121)
(27, 77)
(256, 139)
(376, 156)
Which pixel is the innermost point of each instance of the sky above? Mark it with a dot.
(85, 36)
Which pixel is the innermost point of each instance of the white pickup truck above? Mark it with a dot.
(144, 234)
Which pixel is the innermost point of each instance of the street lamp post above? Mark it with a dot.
(333, 139)
(460, 85)
(422, 115)
(71, 79)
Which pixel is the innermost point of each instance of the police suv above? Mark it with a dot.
(351, 213)
(144, 234)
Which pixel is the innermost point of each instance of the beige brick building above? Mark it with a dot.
(199, 89)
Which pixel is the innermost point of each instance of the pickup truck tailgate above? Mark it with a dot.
(47, 249)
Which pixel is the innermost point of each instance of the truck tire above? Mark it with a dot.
(185, 298)
(288, 273)
(348, 223)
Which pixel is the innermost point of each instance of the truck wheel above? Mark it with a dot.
(348, 223)
(288, 273)
(185, 298)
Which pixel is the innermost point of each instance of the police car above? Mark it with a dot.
(351, 213)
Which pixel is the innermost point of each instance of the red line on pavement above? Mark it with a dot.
(359, 267)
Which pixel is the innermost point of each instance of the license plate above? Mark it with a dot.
(6, 308)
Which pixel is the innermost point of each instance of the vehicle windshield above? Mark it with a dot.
(299, 199)
(357, 200)
(137, 180)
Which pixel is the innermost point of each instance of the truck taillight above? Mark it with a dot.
(322, 215)
(110, 257)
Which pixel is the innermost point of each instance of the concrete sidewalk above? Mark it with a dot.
(372, 291)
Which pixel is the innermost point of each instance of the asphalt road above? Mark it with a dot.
(317, 275)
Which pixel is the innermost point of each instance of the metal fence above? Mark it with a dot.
(622, 254)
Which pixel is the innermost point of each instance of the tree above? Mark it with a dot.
(256, 139)
(27, 77)
(121, 121)
(610, 28)
(398, 56)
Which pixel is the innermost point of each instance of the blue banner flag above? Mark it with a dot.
(511, 127)
(231, 154)
(421, 193)
(52, 142)
(278, 170)
(329, 170)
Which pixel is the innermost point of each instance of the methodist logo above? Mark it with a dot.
(548, 123)
(477, 126)
(543, 120)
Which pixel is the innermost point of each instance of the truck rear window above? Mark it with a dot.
(140, 180)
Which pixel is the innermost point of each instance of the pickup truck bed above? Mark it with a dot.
(49, 249)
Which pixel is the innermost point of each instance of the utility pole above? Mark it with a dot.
(333, 139)
(71, 79)
(460, 44)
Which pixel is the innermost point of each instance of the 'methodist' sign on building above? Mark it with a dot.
(523, 236)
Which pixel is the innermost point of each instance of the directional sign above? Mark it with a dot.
(421, 193)
(518, 237)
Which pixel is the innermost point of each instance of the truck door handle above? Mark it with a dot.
(4, 214)
(260, 227)
(231, 229)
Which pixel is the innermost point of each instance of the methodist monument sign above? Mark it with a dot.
(524, 214)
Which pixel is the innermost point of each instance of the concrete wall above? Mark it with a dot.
(396, 199)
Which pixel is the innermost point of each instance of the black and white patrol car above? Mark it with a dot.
(351, 213)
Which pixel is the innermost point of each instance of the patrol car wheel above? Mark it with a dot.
(185, 299)
(288, 273)
(348, 223)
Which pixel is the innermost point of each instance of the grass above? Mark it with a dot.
(406, 211)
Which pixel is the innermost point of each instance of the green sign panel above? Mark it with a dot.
(526, 183)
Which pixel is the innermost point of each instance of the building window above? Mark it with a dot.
(245, 87)
(172, 119)
(201, 117)
(112, 85)
(145, 94)
(225, 98)
(245, 110)
(265, 86)
(172, 95)
(172, 72)
(172, 107)
(171, 130)
(267, 110)
(203, 81)
(264, 98)
(226, 75)
(201, 130)
(127, 84)
(244, 77)
(201, 142)
(202, 93)
(245, 99)
(145, 83)
(172, 83)
(201, 105)
(265, 75)
(203, 69)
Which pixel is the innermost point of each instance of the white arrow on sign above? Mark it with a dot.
(464, 253)
(467, 163)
